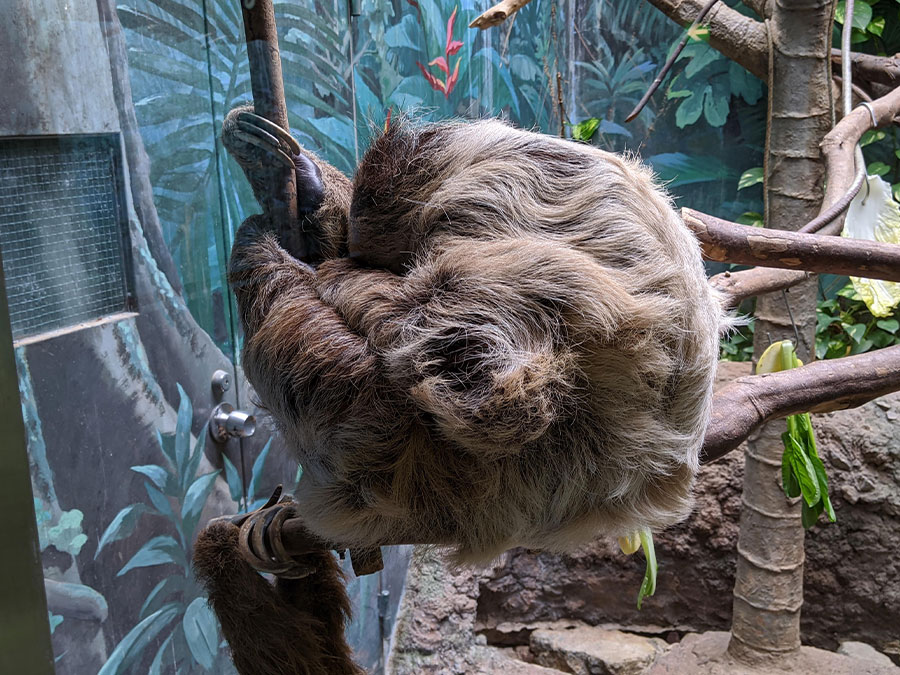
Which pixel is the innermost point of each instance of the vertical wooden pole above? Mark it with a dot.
(267, 85)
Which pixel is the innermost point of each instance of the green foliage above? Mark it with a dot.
(176, 608)
(737, 345)
(802, 471)
(844, 326)
(648, 585)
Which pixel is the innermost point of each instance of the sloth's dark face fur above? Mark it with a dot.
(518, 350)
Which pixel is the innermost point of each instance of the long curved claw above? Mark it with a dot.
(270, 127)
(253, 139)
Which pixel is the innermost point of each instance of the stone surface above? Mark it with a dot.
(705, 654)
(861, 650)
(852, 573)
(587, 650)
(492, 660)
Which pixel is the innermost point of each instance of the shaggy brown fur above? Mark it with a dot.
(295, 627)
(518, 350)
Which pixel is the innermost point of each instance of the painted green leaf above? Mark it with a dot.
(183, 431)
(256, 474)
(156, 666)
(156, 598)
(201, 631)
(703, 56)
(121, 526)
(160, 501)
(750, 177)
(196, 455)
(690, 109)
(195, 500)
(133, 644)
(235, 486)
(162, 550)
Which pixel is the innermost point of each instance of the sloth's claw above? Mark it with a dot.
(252, 139)
(271, 129)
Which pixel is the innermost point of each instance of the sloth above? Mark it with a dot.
(488, 338)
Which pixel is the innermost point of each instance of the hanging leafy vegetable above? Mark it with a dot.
(802, 471)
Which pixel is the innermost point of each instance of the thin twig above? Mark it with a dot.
(671, 61)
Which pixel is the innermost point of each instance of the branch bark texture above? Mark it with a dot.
(824, 386)
(724, 241)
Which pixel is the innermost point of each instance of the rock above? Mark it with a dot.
(587, 650)
(860, 650)
(705, 654)
(851, 575)
(492, 660)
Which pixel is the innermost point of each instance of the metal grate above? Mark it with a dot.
(63, 232)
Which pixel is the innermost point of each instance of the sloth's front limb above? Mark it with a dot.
(307, 365)
(266, 152)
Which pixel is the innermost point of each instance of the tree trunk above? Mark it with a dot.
(768, 591)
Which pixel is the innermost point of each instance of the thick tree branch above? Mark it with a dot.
(498, 13)
(870, 68)
(740, 38)
(738, 286)
(823, 386)
(839, 146)
(724, 241)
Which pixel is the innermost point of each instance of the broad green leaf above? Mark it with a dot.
(810, 514)
(751, 218)
(585, 130)
(805, 472)
(201, 632)
(161, 550)
(121, 526)
(823, 486)
(878, 169)
(133, 644)
(876, 25)
(856, 331)
(716, 104)
(702, 58)
(871, 136)
(788, 480)
(890, 325)
(195, 500)
(862, 14)
(751, 177)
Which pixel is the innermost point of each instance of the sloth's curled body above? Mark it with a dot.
(508, 340)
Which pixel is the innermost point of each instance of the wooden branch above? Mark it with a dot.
(498, 13)
(870, 68)
(724, 241)
(740, 38)
(738, 286)
(839, 145)
(824, 386)
(267, 86)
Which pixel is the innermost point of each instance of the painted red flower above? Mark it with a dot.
(452, 46)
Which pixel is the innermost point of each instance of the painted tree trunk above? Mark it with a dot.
(768, 591)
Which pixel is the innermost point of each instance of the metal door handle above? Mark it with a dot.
(225, 422)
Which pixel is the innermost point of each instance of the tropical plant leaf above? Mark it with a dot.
(201, 632)
(158, 475)
(256, 473)
(160, 501)
(162, 550)
(183, 431)
(123, 525)
(195, 500)
(648, 585)
(136, 640)
(233, 478)
(156, 666)
(196, 455)
(156, 598)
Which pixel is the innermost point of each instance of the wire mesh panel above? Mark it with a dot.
(63, 233)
